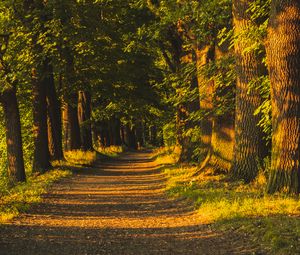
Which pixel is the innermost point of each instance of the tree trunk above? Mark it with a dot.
(130, 137)
(16, 171)
(139, 134)
(41, 158)
(222, 143)
(84, 118)
(123, 138)
(249, 147)
(283, 51)
(204, 56)
(71, 127)
(115, 126)
(54, 118)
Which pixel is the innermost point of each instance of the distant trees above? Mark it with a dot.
(83, 80)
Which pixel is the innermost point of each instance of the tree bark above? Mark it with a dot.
(16, 171)
(249, 147)
(204, 55)
(41, 158)
(54, 118)
(283, 52)
(71, 126)
(84, 118)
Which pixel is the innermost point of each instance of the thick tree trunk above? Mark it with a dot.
(16, 171)
(41, 158)
(54, 118)
(71, 127)
(283, 51)
(249, 147)
(84, 118)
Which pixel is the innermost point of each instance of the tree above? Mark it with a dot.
(16, 171)
(249, 146)
(84, 118)
(283, 52)
(54, 117)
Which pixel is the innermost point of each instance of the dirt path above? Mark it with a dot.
(117, 207)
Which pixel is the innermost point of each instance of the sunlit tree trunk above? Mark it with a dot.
(283, 51)
(249, 145)
(16, 171)
(54, 118)
(84, 118)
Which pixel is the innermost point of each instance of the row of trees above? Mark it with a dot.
(70, 65)
(219, 78)
(240, 121)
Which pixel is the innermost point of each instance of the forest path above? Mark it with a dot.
(117, 207)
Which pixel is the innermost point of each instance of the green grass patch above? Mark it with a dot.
(78, 157)
(111, 151)
(272, 222)
(19, 198)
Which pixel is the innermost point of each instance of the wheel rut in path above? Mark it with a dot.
(116, 207)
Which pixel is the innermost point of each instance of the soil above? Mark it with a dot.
(116, 207)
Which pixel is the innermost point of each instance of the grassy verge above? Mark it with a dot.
(272, 222)
(112, 151)
(20, 197)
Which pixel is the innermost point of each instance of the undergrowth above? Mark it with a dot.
(78, 157)
(111, 151)
(273, 222)
(21, 197)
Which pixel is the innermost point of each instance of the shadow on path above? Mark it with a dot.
(117, 207)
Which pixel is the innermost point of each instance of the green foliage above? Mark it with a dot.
(169, 134)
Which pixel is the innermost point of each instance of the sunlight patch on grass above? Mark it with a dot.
(79, 157)
(111, 151)
(166, 155)
(19, 198)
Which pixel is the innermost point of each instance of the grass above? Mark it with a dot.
(78, 157)
(111, 151)
(19, 198)
(273, 222)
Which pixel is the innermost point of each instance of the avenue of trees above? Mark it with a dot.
(219, 79)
